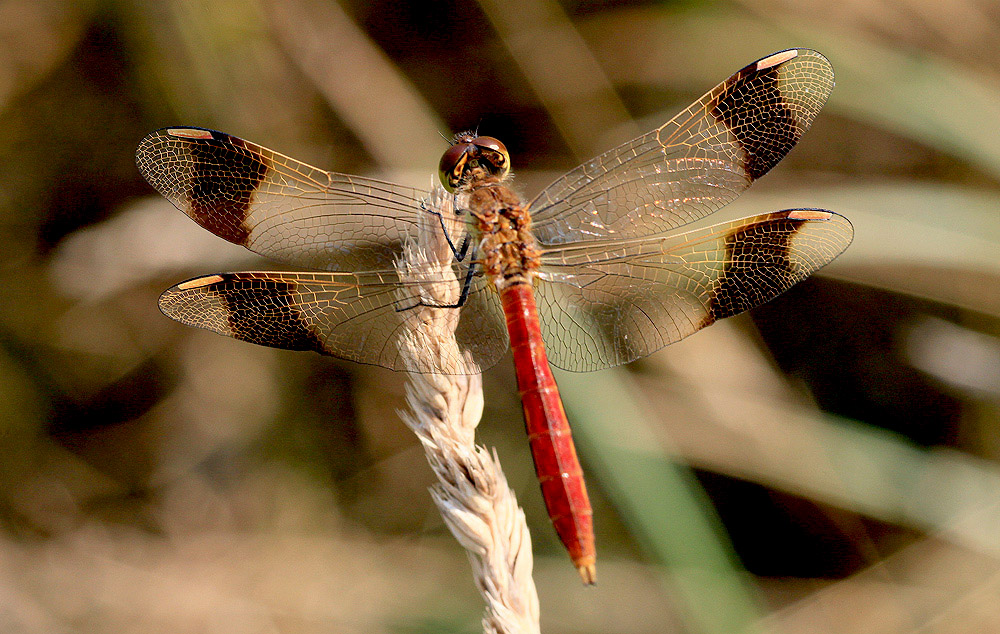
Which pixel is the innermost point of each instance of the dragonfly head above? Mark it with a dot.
(470, 156)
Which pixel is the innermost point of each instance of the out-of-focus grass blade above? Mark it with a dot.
(835, 461)
(660, 501)
(560, 68)
(360, 82)
(928, 586)
(216, 64)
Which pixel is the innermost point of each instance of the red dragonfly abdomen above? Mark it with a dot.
(549, 435)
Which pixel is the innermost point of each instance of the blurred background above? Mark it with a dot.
(827, 463)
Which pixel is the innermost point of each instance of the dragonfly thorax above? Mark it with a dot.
(510, 254)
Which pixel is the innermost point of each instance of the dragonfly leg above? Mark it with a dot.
(466, 289)
(459, 253)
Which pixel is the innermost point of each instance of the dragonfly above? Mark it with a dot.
(596, 270)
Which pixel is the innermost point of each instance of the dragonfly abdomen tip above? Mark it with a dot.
(588, 572)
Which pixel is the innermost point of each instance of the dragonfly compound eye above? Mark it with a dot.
(494, 154)
(483, 154)
(452, 165)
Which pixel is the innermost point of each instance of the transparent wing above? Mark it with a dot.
(604, 304)
(358, 317)
(279, 207)
(695, 163)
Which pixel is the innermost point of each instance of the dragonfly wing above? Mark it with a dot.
(280, 207)
(359, 317)
(695, 163)
(604, 304)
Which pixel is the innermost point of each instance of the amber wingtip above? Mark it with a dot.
(198, 282)
(809, 214)
(588, 572)
(190, 133)
(778, 58)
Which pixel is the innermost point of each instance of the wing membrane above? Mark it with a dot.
(358, 317)
(695, 163)
(604, 304)
(280, 207)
